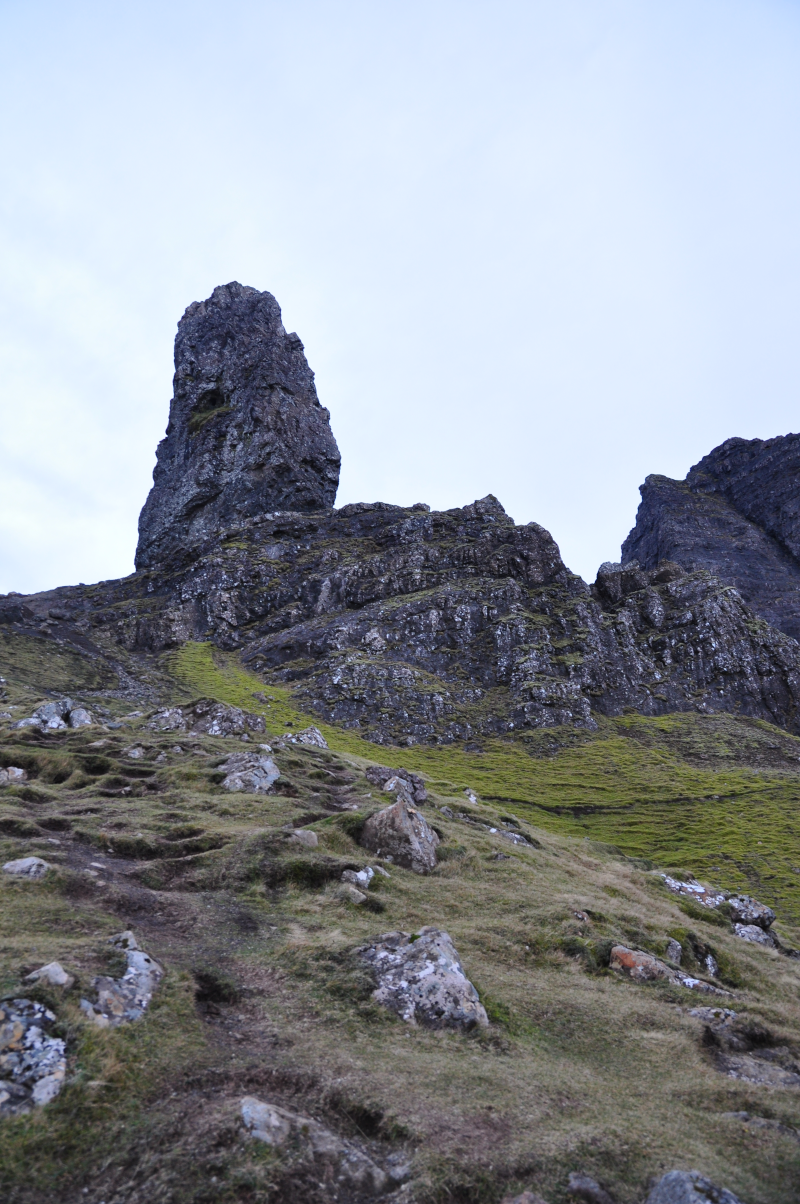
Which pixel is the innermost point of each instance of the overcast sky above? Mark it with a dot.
(538, 249)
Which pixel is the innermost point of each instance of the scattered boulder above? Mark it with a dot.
(309, 735)
(206, 718)
(742, 1048)
(644, 967)
(309, 840)
(120, 1000)
(420, 977)
(33, 1063)
(382, 775)
(582, 1187)
(27, 867)
(253, 773)
(674, 951)
(11, 775)
(745, 910)
(53, 716)
(689, 1187)
(352, 894)
(360, 878)
(53, 974)
(402, 835)
(708, 896)
(755, 934)
(339, 1160)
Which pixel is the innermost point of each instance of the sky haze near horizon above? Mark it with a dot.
(531, 249)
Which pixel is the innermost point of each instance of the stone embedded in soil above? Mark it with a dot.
(401, 834)
(421, 978)
(644, 967)
(307, 839)
(208, 718)
(689, 1187)
(381, 775)
(53, 974)
(525, 1197)
(121, 1000)
(27, 867)
(309, 735)
(338, 1160)
(11, 775)
(33, 1063)
(755, 934)
(587, 1190)
(707, 896)
(253, 773)
(746, 910)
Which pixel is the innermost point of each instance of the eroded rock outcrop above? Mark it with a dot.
(33, 1062)
(246, 432)
(689, 1187)
(737, 514)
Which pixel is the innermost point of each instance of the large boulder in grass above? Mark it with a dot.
(382, 775)
(746, 910)
(402, 835)
(420, 977)
(252, 773)
(689, 1187)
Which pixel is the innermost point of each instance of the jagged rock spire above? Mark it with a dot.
(246, 434)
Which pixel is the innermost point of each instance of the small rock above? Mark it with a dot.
(674, 951)
(135, 754)
(641, 967)
(471, 795)
(401, 833)
(644, 967)
(33, 1064)
(309, 840)
(381, 775)
(755, 934)
(120, 1000)
(54, 974)
(80, 717)
(747, 911)
(705, 895)
(343, 1161)
(253, 773)
(689, 1187)
(712, 966)
(27, 867)
(360, 878)
(421, 978)
(525, 1197)
(12, 774)
(351, 894)
(312, 736)
(588, 1190)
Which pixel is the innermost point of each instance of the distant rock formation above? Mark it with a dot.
(737, 514)
(246, 436)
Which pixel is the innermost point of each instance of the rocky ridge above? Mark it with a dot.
(737, 514)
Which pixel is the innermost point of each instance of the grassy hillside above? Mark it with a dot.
(263, 993)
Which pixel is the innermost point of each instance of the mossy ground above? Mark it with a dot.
(263, 994)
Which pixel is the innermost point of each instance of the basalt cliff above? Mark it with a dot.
(370, 856)
(417, 626)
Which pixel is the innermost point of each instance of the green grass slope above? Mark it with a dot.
(263, 993)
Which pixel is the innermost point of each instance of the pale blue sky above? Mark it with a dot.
(537, 249)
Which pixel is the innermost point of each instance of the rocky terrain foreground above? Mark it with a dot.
(371, 854)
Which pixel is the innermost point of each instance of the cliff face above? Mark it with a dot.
(246, 432)
(737, 514)
(420, 627)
